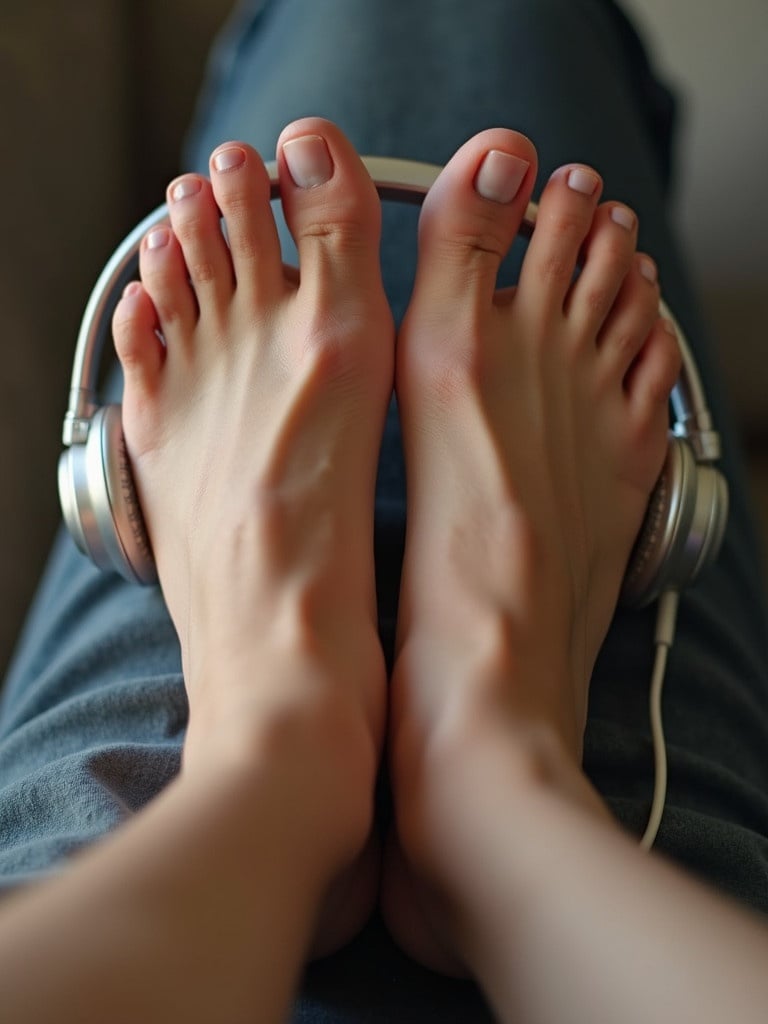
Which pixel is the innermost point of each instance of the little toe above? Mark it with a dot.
(134, 329)
(566, 212)
(241, 188)
(196, 222)
(469, 220)
(164, 276)
(333, 211)
(632, 316)
(607, 258)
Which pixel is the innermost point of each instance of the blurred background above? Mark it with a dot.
(96, 98)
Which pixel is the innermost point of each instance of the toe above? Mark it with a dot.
(196, 223)
(470, 218)
(607, 257)
(564, 220)
(654, 372)
(631, 318)
(164, 276)
(333, 211)
(134, 329)
(241, 189)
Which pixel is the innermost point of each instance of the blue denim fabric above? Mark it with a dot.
(94, 711)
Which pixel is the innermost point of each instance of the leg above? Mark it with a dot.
(303, 507)
(258, 499)
(340, 218)
(535, 426)
(522, 514)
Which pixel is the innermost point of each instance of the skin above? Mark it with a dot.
(534, 426)
(298, 374)
(253, 431)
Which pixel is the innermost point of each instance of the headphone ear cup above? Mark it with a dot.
(99, 501)
(682, 530)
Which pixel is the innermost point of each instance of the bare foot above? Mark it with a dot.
(535, 426)
(253, 431)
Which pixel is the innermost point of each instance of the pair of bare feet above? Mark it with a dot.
(534, 425)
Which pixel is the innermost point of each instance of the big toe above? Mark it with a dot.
(470, 218)
(334, 214)
(467, 225)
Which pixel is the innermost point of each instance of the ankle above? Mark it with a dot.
(288, 640)
(315, 749)
(471, 768)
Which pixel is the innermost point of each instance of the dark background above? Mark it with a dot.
(96, 97)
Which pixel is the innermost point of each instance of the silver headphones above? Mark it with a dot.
(681, 533)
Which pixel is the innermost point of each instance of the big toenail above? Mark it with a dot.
(309, 161)
(585, 182)
(648, 270)
(623, 216)
(185, 188)
(158, 237)
(500, 176)
(228, 159)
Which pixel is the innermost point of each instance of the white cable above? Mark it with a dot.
(664, 635)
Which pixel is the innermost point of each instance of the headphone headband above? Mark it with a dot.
(402, 180)
(686, 513)
(681, 533)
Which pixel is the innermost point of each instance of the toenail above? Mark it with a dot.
(500, 176)
(184, 188)
(309, 161)
(648, 270)
(623, 216)
(228, 159)
(583, 181)
(158, 237)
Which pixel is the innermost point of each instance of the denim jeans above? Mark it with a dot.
(93, 713)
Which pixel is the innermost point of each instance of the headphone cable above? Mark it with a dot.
(666, 619)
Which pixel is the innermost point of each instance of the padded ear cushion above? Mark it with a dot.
(99, 500)
(682, 530)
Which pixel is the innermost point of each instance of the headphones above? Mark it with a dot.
(681, 533)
